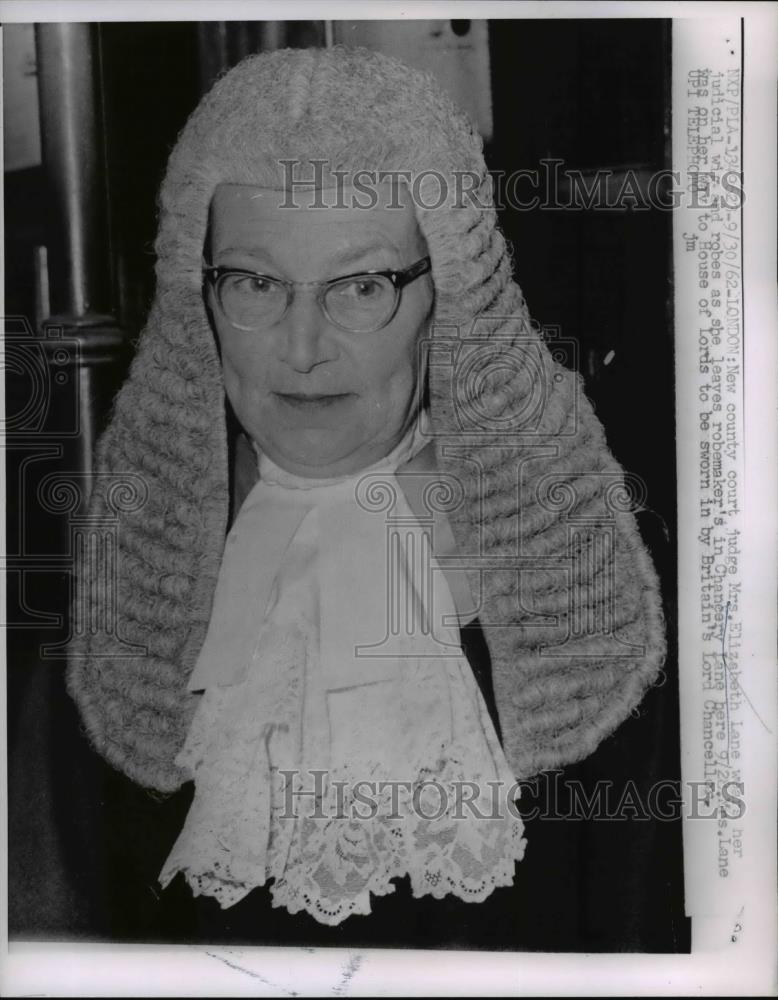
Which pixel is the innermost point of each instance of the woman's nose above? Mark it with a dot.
(305, 343)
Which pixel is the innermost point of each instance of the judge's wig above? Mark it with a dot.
(568, 596)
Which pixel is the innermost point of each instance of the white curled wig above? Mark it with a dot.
(568, 597)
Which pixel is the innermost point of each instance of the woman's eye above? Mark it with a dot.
(251, 284)
(361, 288)
(259, 285)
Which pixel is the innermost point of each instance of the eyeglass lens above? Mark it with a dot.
(361, 303)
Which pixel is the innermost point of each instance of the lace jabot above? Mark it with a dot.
(341, 740)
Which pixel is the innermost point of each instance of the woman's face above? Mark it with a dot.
(319, 401)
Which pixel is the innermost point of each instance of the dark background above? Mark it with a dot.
(592, 93)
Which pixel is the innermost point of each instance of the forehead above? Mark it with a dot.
(245, 216)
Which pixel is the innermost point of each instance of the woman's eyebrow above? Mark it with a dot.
(247, 251)
(352, 255)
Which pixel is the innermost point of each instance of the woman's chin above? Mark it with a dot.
(315, 453)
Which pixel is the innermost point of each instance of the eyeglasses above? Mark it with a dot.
(357, 303)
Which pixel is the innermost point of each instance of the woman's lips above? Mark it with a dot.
(308, 402)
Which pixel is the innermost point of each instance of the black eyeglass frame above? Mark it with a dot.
(399, 279)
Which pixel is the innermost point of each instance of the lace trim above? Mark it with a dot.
(328, 863)
(322, 853)
(249, 825)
